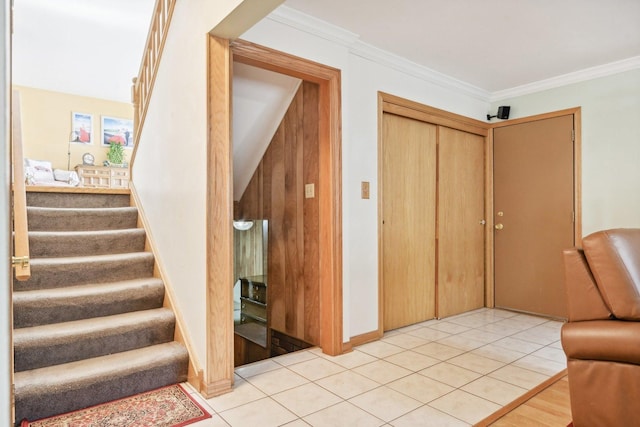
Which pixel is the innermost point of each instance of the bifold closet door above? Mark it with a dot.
(408, 202)
(460, 221)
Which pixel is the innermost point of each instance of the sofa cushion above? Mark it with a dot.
(614, 259)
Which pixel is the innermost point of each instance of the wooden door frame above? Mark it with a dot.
(403, 107)
(218, 377)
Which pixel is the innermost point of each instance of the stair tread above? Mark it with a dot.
(83, 371)
(106, 210)
(106, 325)
(90, 258)
(90, 289)
(86, 233)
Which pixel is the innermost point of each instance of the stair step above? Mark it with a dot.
(77, 200)
(79, 243)
(41, 346)
(44, 392)
(42, 306)
(49, 273)
(65, 219)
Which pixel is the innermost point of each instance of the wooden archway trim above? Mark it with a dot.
(218, 377)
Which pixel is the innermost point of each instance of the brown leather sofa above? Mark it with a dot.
(602, 337)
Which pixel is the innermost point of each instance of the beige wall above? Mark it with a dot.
(46, 125)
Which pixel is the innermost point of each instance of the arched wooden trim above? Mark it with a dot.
(219, 372)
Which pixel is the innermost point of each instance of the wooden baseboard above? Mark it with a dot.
(520, 400)
(365, 338)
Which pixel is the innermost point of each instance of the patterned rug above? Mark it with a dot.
(169, 406)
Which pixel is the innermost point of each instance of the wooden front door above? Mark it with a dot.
(408, 201)
(534, 214)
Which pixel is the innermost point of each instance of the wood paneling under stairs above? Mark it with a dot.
(276, 192)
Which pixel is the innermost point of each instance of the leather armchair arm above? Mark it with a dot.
(604, 340)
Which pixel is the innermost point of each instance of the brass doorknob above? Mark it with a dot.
(499, 226)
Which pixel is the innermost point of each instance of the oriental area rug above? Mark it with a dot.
(169, 406)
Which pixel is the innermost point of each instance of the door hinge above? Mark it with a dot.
(573, 135)
(22, 261)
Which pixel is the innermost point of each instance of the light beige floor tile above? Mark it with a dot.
(296, 423)
(385, 403)
(556, 344)
(343, 414)
(379, 349)
(264, 413)
(428, 334)
(519, 376)
(214, 421)
(503, 313)
(256, 368)
(473, 362)
(465, 406)
(501, 354)
(537, 337)
(412, 360)
(551, 353)
(448, 327)
(317, 368)
(352, 359)
(449, 374)
(405, 341)
(306, 399)
(406, 329)
(427, 416)
(516, 344)
(529, 320)
(276, 381)
(347, 384)
(295, 357)
(243, 392)
(471, 321)
(438, 351)
(494, 390)
(382, 371)
(478, 335)
(538, 364)
(462, 343)
(502, 330)
(420, 388)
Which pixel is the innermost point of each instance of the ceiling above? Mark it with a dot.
(491, 44)
(84, 47)
(94, 47)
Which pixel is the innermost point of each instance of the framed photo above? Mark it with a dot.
(117, 130)
(81, 128)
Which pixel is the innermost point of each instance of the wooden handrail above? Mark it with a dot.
(143, 84)
(20, 228)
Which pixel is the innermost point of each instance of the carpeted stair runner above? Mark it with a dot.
(90, 326)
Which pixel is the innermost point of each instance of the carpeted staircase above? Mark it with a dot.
(90, 326)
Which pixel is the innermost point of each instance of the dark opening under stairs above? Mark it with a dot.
(89, 325)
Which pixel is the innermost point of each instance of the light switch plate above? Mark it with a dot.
(309, 191)
(365, 189)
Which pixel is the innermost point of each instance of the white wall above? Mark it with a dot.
(170, 167)
(362, 78)
(5, 254)
(610, 144)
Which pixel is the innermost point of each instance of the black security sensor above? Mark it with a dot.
(503, 113)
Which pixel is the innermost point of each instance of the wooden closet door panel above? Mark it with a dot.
(408, 210)
(460, 231)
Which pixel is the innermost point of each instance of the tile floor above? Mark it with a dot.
(451, 372)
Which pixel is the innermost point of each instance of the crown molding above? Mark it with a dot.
(569, 78)
(303, 22)
(351, 41)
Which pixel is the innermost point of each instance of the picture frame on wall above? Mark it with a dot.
(118, 130)
(81, 128)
